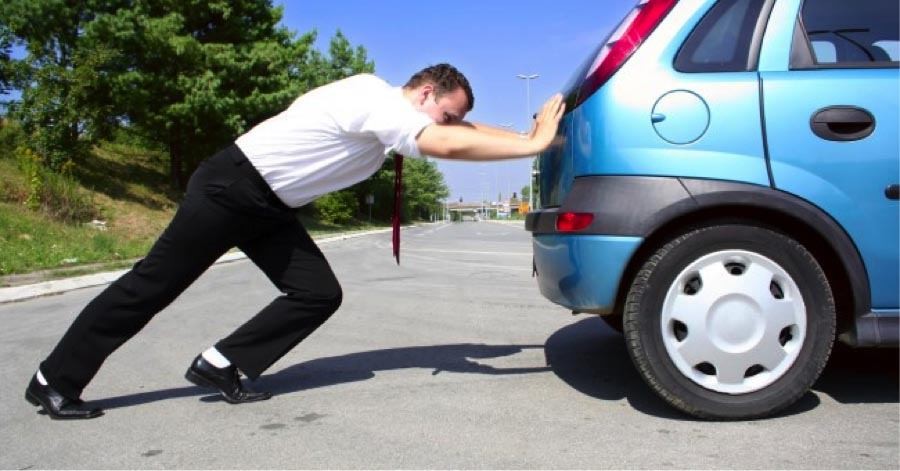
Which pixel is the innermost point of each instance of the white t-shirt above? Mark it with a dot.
(332, 137)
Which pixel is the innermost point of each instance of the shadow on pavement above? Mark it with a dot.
(591, 357)
(587, 355)
(456, 358)
(861, 375)
(320, 372)
(129, 400)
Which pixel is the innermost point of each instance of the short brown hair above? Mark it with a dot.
(445, 79)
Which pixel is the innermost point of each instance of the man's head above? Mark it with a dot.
(441, 92)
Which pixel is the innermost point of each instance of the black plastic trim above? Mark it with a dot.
(853, 65)
(764, 129)
(622, 205)
(881, 329)
(801, 52)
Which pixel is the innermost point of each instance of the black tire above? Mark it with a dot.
(647, 346)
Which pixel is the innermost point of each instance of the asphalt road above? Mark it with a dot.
(451, 360)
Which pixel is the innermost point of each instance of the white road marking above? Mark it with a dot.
(464, 252)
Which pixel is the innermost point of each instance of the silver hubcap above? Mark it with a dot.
(733, 321)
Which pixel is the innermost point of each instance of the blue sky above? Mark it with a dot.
(490, 41)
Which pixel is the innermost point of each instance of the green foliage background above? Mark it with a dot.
(183, 76)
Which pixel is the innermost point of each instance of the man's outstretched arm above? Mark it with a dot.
(474, 142)
(494, 130)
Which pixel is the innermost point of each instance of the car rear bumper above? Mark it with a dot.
(582, 272)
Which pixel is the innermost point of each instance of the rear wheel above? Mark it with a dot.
(731, 321)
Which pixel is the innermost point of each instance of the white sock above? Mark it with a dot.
(216, 358)
(41, 378)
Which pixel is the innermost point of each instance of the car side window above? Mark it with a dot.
(845, 34)
(722, 41)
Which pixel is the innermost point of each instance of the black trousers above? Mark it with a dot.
(227, 204)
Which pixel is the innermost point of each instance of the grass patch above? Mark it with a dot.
(317, 228)
(33, 241)
(127, 187)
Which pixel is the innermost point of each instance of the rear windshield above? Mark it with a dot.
(843, 33)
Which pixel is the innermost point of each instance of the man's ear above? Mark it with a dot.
(425, 93)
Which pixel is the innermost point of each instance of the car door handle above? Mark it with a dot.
(892, 192)
(842, 123)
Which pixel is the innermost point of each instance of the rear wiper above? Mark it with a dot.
(841, 34)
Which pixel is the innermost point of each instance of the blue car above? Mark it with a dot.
(726, 192)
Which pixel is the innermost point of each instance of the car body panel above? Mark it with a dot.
(628, 143)
(775, 52)
(846, 179)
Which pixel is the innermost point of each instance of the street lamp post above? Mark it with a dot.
(482, 184)
(528, 79)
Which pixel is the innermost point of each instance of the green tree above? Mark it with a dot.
(55, 76)
(194, 74)
(424, 188)
(381, 187)
(6, 40)
(189, 74)
(343, 60)
(339, 207)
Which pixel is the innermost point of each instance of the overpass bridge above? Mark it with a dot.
(459, 211)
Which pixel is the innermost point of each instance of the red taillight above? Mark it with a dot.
(570, 222)
(630, 34)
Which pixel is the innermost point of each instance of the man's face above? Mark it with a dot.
(450, 108)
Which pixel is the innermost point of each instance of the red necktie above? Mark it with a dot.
(398, 199)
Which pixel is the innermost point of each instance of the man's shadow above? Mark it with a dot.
(454, 358)
(360, 366)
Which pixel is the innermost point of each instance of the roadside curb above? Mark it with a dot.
(45, 288)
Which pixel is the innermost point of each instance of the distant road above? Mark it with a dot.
(451, 360)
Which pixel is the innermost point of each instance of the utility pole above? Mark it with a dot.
(528, 118)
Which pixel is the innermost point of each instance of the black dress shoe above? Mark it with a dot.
(57, 406)
(226, 380)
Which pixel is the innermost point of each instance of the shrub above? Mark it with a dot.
(64, 200)
(11, 138)
(55, 194)
(336, 208)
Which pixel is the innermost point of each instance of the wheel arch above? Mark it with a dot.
(733, 203)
